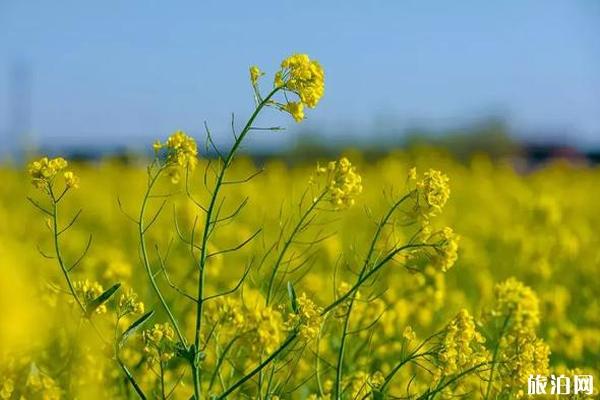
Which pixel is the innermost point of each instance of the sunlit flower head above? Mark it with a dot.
(88, 291)
(433, 191)
(462, 345)
(159, 343)
(304, 77)
(129, 303)
(255, 74)
(446, 250)
(181, 152)
(518, 303)
(343, 183)
(307, 320)
(296, 110)
(71, 180)
(44, 171)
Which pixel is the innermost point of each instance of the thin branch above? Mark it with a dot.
(171, 284)
(245, 180)
(81, 257)
(70, 224)
(234, 213)
(135, 221)
(212, 143)
(188, 191)
(235, 288)
(155, 217)
(232, 249)
(43, 254)
(38, 206)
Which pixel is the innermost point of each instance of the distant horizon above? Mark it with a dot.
(273, 143)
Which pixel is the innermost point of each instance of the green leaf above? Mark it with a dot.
(292, 294)
(103, 298)
(135, 326)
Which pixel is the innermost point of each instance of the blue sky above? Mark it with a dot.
(130, 71)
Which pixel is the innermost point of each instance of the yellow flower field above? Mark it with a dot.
(409, 276)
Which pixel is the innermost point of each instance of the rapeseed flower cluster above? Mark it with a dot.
(159, 343)
(7, 386)
(437, 252)
(255, 74)
(260, 326)
(307, 319)
(446, 250)
(42, 386)
(89, 290)
(522, 353)
(36, 385)
(519, 304)
(462, 345)
(343, 183)
(44, 171)
(432, 192)
(181, 151)
(304, 77)
(129, 303)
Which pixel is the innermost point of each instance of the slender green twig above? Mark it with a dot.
(365, 267)
(57, 251)
(207, 230)
(488, 390)
(288, 241)
(259, 367)
(66, 273)
(372, 271)
(146, 260)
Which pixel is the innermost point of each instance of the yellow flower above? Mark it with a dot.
(181, 152)
(278, 82)
(307, 321)
(296, 110)
(159, 343)
(519, 303)
(129, 303)
(409, 334)
(446, 253)
(412, 174)
(262, 326)
(462, 345)
(88, 291)
(376, 380)
(305, 78)
(343, 182)
(71, 180)
(43, 171)
(433, 192)
(6, 388)
(255, 74)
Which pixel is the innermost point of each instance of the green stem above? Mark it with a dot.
(380, 226)
(259, 367)
(340, 361)
(67, 276)
(494, 357)
(131, 379)
(287, 243)
(146, 261)
(59, 255)
(371, 272)
(207, 225)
